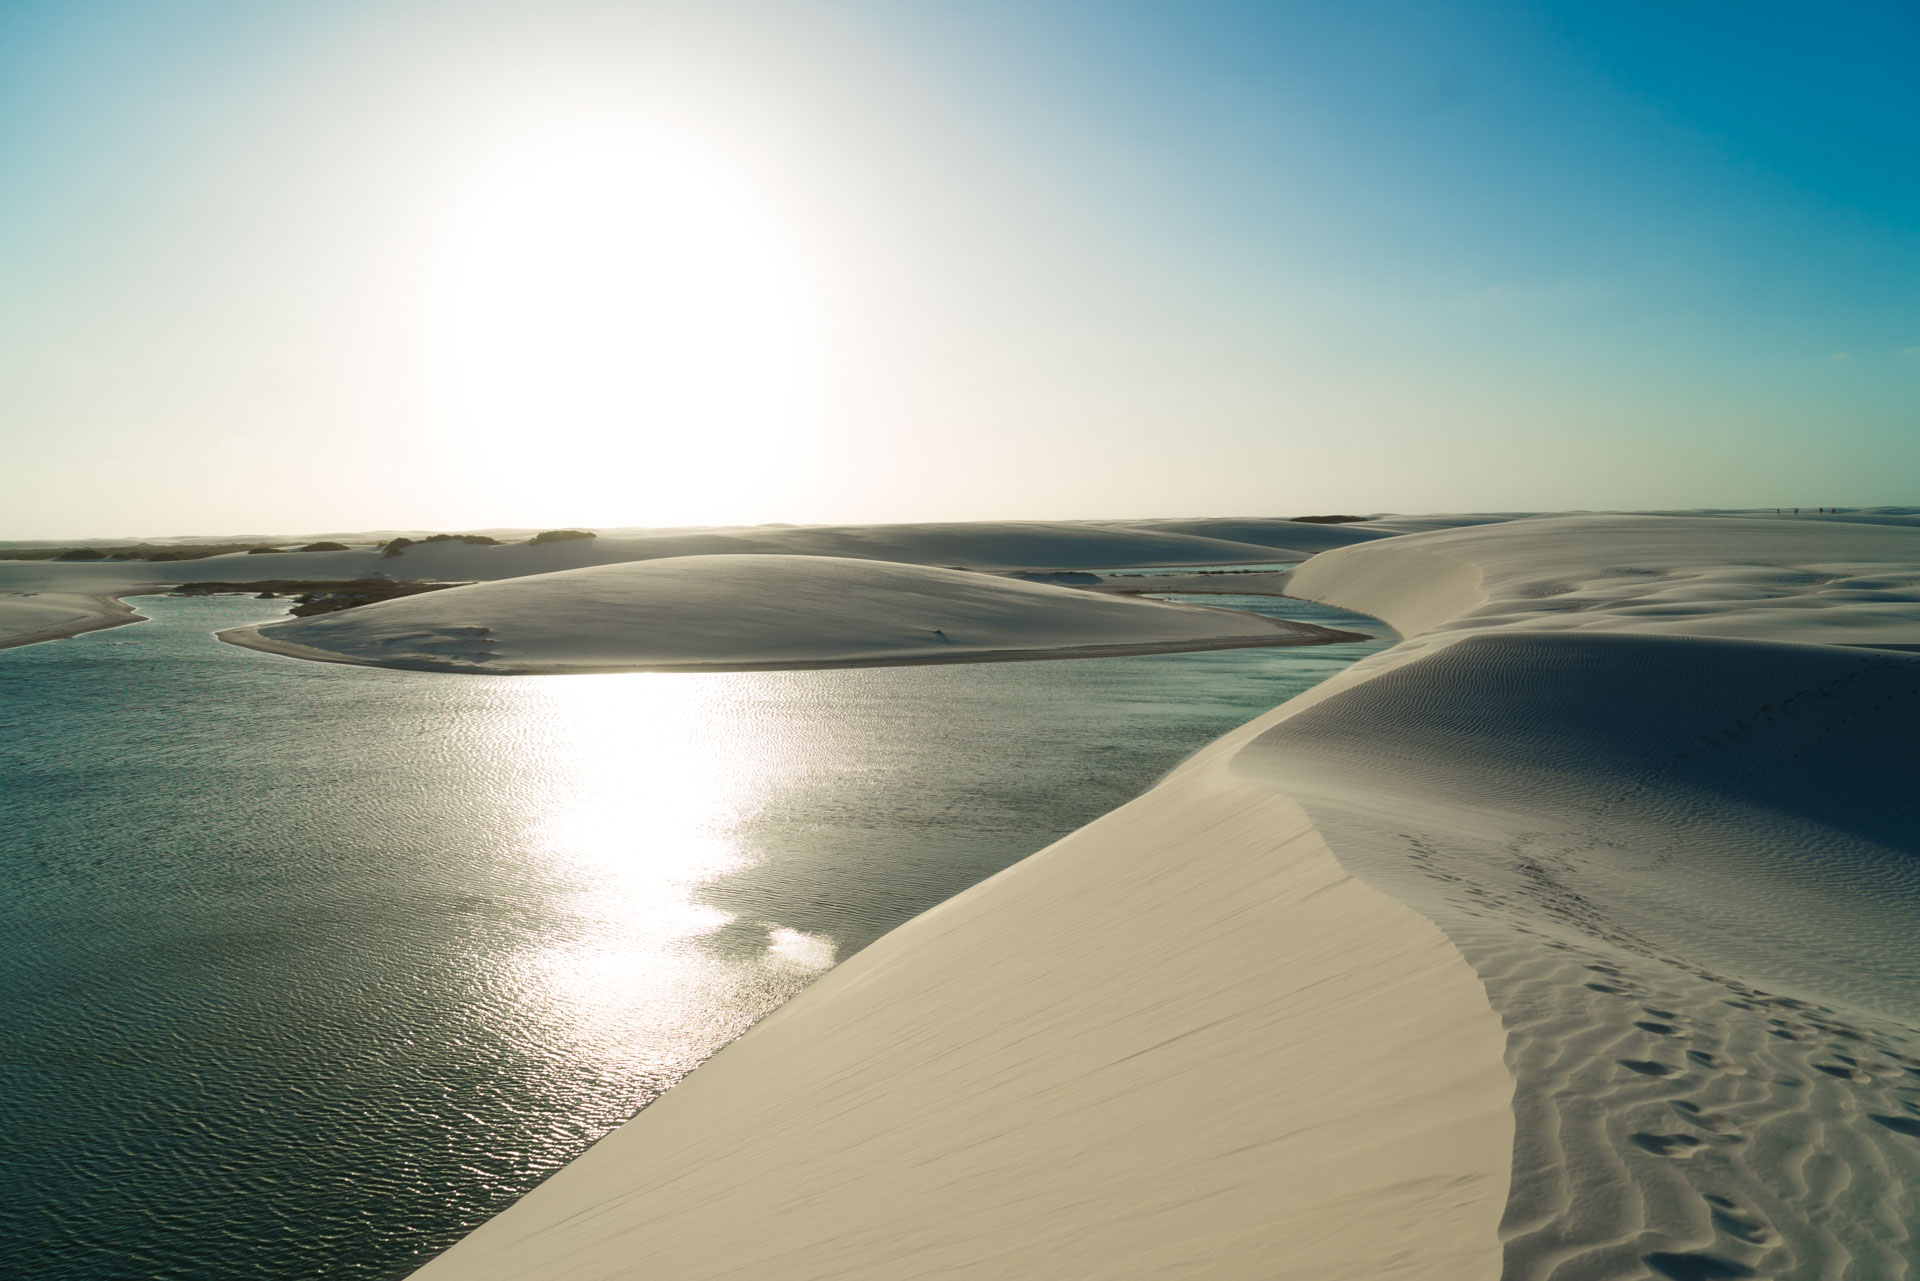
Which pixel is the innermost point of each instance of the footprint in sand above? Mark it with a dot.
(1899, 1124)
(1609, 989)
(1712, 1122)
(1647, 1067)
(1842, 1071)
(1696, 1267)
(1677, 1146)
(1658, 1029)
(1741, 1224)
(1713, 1062)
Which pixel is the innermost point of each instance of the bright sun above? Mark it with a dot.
(628, 318)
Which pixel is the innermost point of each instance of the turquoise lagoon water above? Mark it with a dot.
(306, 970)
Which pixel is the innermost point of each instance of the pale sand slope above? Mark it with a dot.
(990, 545)
(1180, 1042)
(45, 616)
(755, 611)
(1297, 539)
(983, 545)
(1648, 774)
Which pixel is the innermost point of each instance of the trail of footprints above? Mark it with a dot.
(1679, 1124)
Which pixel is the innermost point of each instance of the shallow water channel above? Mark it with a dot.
(306, 970)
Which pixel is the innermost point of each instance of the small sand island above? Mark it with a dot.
(742, 612)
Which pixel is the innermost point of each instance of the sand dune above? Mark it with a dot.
(987, 545)
(28, 620)
(754, 611)
(1682, 860)
(1830, 582)
(1293, 539)
(1679, 859)
(1571, 938)
(1180, 1042)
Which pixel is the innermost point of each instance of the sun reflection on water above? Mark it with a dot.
(634, 796)
(368, 953)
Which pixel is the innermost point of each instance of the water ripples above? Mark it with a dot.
(306, 970)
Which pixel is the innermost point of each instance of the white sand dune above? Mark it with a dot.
(713, 612)
(45, 616)
(1290, 539)
(1685, 860)
(1833, 582)
(987, 545)
(1649, 776)
(991, 545)
(1179, 1043)
(1680, 860)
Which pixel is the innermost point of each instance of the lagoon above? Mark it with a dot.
(310, 969)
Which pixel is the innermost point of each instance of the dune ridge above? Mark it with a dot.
(1652, 776)
(1179, 1042)
(745, 612)
(48, 589)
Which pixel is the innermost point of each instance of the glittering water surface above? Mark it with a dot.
(305, 970)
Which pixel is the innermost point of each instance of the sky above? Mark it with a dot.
(419, 264)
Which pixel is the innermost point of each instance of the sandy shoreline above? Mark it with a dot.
(104, 612)
(1179, 1042)
(734, 613)
(250, 638)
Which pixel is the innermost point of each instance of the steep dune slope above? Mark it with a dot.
(1179, 1043)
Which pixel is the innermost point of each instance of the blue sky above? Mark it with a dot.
(608, 264)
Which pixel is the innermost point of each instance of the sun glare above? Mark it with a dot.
(635, 309)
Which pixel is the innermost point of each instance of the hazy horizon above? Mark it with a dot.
(358, 266)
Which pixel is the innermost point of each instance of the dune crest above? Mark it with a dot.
(1179, 1042)
(743, 612)
(1682, 858)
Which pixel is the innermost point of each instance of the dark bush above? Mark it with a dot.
(323, 547)
(262, 551)
(83, 553)
(395, 547)
(559, 536)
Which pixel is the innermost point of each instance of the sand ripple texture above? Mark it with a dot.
(1686, 867)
